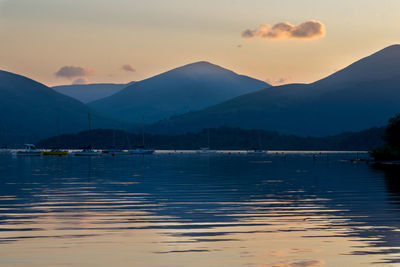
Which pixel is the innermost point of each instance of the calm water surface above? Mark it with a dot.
(198, 210)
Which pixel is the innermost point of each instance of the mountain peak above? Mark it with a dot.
(201, 63)
(187, 88)
(201, 67)
(389, 52)
(395, 47)
(384, 64)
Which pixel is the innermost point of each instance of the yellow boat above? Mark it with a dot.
(54, 153)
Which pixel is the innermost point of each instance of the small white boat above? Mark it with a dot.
(30, 150)
(141, 151)
(206, 150)
(4, 150)
(256, 152)
(87, 152)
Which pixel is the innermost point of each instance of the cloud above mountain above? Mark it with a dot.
(74, 72)
(284, 30)
(128, 67)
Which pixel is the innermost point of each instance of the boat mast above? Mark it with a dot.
(114, 139)
(143, 131)
(208, 137)
(89, 126)
(58, 131)
(89, 129)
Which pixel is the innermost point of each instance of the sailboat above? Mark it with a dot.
(257, 150)
(87, 151)
(30, 150)
(206, 150)
(113, 151)
(4, 149)
(56, 151)
(141, 150)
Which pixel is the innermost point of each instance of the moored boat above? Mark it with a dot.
(256, 152)
(4, 150)
(141, 151)
(55, 152)
(30, 150)
(206, 150)
(87, 152)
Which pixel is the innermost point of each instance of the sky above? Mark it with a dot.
(80, 41)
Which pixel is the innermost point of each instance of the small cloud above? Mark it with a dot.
(128, 67)
(239, 46)
(279, 81)
(306, 263)
(299, 263)
(82, 80)
(284, 30)
(73, 72)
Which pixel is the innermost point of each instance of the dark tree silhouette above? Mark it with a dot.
(391, 149)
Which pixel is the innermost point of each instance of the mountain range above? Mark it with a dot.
(362, 95)
(203, 95)
(30, 110)
(187, 88)
(90, 92)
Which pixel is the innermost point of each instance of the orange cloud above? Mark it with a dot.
(74, 72)
(284, 30)
(306, 263)
(299, 263)
(128, 67)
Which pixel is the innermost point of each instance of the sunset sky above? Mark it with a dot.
(66, 41)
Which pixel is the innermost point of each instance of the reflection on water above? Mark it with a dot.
(198, 210)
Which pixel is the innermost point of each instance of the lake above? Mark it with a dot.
(175, 209)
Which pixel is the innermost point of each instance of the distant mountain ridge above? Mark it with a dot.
(90, 92)
(187, 88)
(362, 95)
(29, 111)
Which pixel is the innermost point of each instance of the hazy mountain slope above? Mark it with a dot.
(363, 95)
(90, 92)
(29, 111)
(180, 90)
